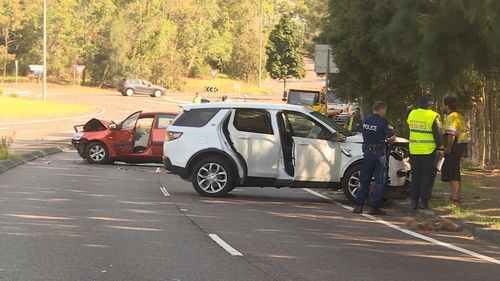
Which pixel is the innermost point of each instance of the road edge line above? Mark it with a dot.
(410, 232)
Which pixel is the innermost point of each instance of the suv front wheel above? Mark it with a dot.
(212, 177)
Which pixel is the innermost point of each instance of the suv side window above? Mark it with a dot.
(300, 125)
(196, 117)
(253, 120)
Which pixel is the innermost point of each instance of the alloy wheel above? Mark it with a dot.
(211, 178)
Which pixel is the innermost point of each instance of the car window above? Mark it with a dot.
(164, 120)
(253, 120)
(300, 125)
(129, 123)
(144, 123)
(330, 122)
(196, 117)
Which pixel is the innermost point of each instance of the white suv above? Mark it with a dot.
(220, 146)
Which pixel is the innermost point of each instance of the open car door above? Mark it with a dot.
(123, 136)
(316, 157)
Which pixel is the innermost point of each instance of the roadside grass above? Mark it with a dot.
(224, 85)
(5, 142)
(476, 207)
(12, 107)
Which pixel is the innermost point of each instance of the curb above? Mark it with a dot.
(479, 231)
(6, 165)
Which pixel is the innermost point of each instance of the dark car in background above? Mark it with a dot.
(129, 87)
(137, 139)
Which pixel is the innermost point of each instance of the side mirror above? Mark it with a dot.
(338, 137)
(113, 126)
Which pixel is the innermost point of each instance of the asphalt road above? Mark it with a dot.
(63, 219)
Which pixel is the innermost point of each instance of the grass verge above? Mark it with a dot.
(11, 107)
(5, 142)
(480, 204)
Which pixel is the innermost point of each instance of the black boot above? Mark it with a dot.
(424, 205)
(414, 204)
(377, 211)
(358, 209)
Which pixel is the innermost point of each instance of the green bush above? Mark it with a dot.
(5, 143)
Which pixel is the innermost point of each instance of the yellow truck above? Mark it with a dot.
(315, 99)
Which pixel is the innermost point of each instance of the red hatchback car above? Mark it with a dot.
(138, 139)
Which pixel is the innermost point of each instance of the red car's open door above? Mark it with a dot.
(124, 135)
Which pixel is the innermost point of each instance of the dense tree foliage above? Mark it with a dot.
(160, 40)
(284, 58)
(394, 50)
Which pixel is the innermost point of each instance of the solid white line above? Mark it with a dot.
(101, 111)
(164, 191)
(224, 245)
(412, 233)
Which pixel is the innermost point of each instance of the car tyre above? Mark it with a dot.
(96, 153)
(351, 182)
(129, 92)
(157, 94)
(213, 177)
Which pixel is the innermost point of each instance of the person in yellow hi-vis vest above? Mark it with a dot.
(197, 98)
(425, 142)
(456, 137)
(355, 121)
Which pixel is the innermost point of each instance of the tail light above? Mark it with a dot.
(172, 135)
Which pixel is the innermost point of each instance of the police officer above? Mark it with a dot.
(425, 141)
(376, 130)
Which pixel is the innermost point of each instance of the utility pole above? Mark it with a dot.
(260, 43)
(44, 90)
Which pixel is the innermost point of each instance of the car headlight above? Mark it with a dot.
(77, 136)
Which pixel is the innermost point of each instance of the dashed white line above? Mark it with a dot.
(164, 191)
(224, 245)
(412, 233)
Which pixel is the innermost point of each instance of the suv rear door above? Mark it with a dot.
(253, 136)
(316, 156)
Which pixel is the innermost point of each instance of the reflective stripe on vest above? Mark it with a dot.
(421, 138)
(351, 120)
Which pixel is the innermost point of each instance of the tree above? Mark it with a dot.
(283, 50)
(367, 73)
(10, 21)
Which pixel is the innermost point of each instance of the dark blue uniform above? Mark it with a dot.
(375, 130)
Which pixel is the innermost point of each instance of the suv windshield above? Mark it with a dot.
(331, 123)
(302, 97)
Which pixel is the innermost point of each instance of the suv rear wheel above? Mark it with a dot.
(212, 177)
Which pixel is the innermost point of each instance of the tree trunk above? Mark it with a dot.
(104, 76)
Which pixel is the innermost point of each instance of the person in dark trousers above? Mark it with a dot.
(425, 143)
(376, 131)
(355, 121)
(456, 136)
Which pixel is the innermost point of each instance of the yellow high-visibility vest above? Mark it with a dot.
(421, 138)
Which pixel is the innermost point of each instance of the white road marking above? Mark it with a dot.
(412, 233)
(224, 245)
(164, 191)
(67, 132)
(4, 128)
(101, 111)
(160, 102)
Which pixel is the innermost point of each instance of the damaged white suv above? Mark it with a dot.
(220, 146)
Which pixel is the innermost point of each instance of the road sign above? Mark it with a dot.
(209, 89)
(36, 68)
(321, 60)
(214, 72)
(79, 68)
